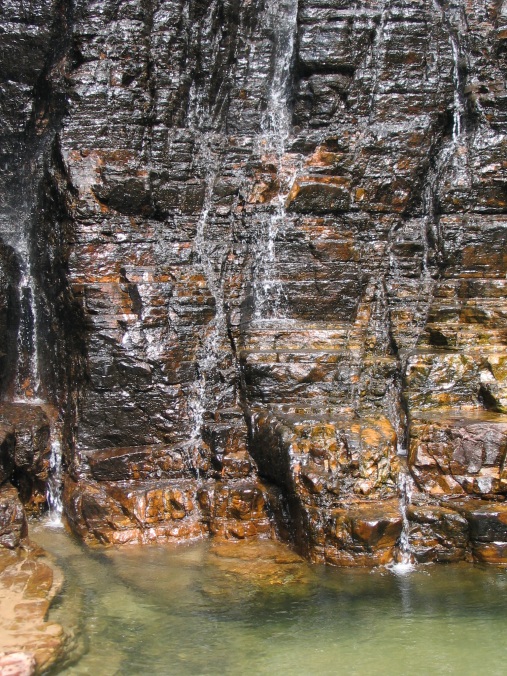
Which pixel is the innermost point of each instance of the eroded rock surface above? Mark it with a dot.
(259, 251)
(28, 582)
(25, 457)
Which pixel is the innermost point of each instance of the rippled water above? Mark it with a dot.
(182, 610)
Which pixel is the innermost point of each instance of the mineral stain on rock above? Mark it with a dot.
(250, 254)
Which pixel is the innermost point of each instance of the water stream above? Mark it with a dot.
(55, 483)
(176, 610)
(209, 354)
(405, 562)
(281, 22)
(27, 379)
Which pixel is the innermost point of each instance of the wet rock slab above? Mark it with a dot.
(326, 463)
(437, 534)
(258, 562)
(133, 512)
(459, 452)
(28, 583)
(488, 528)
(13, 525)
(25, 450)
(363, 534)
(159, 213)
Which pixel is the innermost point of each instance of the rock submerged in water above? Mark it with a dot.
(260, 563)
(247, 278)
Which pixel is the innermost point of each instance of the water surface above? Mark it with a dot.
(183, 610)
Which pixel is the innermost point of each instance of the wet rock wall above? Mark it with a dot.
(258, 257)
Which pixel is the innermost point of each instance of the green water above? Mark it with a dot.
(168, 610)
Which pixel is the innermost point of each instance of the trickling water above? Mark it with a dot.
(197, 409)
(208, 358)
(458, 109)
(276, 122)
(451, 158)
(281, 22)
(458, 97)
(54, 485)
(27, 379)
(200, 118)
(405, 562)
(397, 419)
(376, 58)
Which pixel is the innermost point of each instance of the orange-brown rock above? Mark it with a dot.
(136, 512)
(237, 510)
(363, 534)
(133, 512)
(459, 452)
(24, 456)
(437, 534)
(13, 525)
(261, 563)
(29, 644)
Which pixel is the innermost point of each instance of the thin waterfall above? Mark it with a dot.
(451, 156)
(448, 157)
(54, 485)
(406, 486)
(203, 116)
(405, 557)
(27, 384)
(281, 23)
(458, 108)
(458, 126)
(27, 381)
(209, 353)
(208, 358)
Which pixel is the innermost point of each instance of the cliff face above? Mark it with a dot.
(252, 255)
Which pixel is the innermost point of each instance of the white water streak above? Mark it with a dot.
(54, 485)
(458, 108)
(208, 358)
(281, 23)
(405, 562)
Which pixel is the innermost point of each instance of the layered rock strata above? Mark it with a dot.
(258, 256)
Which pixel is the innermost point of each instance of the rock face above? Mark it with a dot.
(252, 253)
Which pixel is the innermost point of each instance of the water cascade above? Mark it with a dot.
(281, 23)
(26, 385)
(211, 348)
(203, 117)
(27, 381)
(405, 559)
(54, 485)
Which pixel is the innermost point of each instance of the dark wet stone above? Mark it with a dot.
(25, 450)
(437, 534)
(13, 525)
(363, 534)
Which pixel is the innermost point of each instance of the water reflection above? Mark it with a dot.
(197, 610)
